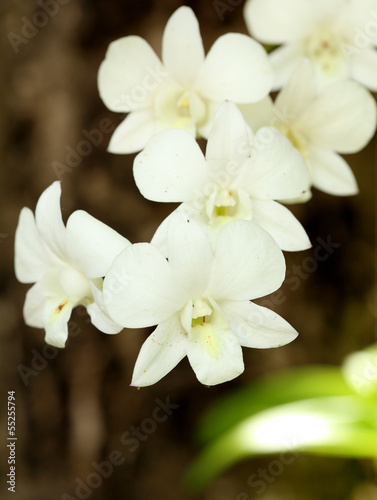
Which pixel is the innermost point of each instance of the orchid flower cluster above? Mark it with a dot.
(222, 247)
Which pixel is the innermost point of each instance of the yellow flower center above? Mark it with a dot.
(203, 327)
(178, 108)
(324, 48)
(200, 309)
(226, 205)
(68, 284)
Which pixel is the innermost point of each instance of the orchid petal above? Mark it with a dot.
(92, 244)
(171, 167)
(56, 316)
(279, 21)
(236, 68)
(329, 123)
(248, 263)
(331, 174)
(229, 140)
(48, 217)
(130, 74)
(276, 170)
(32, 256)
(182, 46)
(298, 94)
(133, 133)
(363, 68)
(258, 114)
(256, 326)
(99, 316)
(214, 352)
(160, 353)
(190, 253)
(140, 288)
(205, 128)
(281, 224)
(285, 60)
(34, 306)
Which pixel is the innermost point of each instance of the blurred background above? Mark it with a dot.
(75, 406)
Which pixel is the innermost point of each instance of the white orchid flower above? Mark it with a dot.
(338, 36)
(340, 119)
(184, 90)
(67, 265)
(199, 298)
(239, 177)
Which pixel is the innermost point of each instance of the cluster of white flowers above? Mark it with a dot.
(222, 247)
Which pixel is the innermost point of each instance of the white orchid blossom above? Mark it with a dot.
(340, 119)
(239, 178)
(67, 265)
(184, 90)
(338, 36)
(199, 298)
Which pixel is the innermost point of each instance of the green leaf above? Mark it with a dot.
(344, 426)
(292, 385)
(360, 371)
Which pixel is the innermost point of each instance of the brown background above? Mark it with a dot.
(74, 410)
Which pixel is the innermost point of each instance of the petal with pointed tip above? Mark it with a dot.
(331, 174)
(32, 256)
(281, 224)
(133, 133)
(160, 353)
(258, 327)
(48, 217)
(182, 46)
(229, 139)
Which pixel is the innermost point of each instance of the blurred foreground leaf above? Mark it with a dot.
(305, 410)
(360, 371)
(293, 385)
